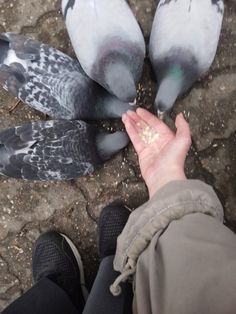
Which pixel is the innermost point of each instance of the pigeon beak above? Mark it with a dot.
(161, 114)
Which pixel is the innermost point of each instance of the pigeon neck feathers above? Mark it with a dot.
(176, 73)
(120, 81)
(109, 144)
(118, 67)
(169, 89)
(107, 105)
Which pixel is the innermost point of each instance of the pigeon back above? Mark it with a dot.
(187, 27)
(112, 36)
(52, 82)
(103, 20)
(183, 44)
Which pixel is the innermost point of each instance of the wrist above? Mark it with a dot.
(160, 178)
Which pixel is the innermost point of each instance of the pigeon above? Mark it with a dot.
(183, 44)
(52, 82)
(108, 43)
(56, 150)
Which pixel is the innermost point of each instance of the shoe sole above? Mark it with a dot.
(80, 265)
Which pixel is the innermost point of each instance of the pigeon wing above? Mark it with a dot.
(46, 150)
(41, 76)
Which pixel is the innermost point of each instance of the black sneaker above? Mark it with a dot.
(111, 223)
(56, 257)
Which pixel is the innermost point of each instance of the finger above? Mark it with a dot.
(128, 121)
(133, 118)
(137, 119)
(183, 133)
(182, 127)
(133, 115)
(149, 118)
(124, 118)
(139, 124)
(133, 133)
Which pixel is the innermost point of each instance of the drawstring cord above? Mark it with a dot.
(115, 288)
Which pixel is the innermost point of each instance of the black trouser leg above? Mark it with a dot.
(45, 297)
(100, 300)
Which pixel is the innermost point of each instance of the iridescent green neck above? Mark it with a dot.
(170, 88)
(177, 73)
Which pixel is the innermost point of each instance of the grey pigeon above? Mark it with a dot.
(56, 150)
(108, 43)
(183, 45)
(52, 82)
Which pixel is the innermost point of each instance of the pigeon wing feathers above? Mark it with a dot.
(55, 95)
(48, 58)
(43, 92)
(52, 82)
(12, 149)
(47, 82)
(45, 151)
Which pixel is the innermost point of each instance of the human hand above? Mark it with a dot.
(161, 153)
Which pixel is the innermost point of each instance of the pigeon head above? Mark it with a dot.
(120, 82)
(170, 88)
(113, 107)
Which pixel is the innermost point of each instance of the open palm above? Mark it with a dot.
(161, 153)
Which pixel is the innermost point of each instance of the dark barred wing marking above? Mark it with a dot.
(70, 5)
(51, 150)
(218, 3)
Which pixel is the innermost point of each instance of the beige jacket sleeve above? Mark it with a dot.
(182, 257)
(172, 202)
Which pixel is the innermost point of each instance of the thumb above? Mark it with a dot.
(183, 134)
